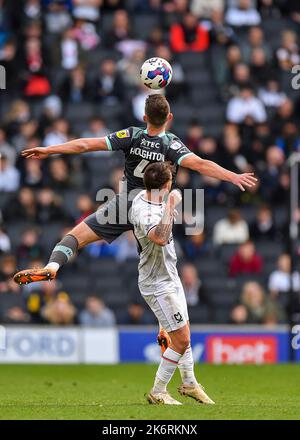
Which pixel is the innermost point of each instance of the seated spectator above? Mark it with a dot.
(96, 314)
(135, 315)
(29, 247)
(194, 136)
(87, 9)
(195, 245)
(86, 34)
(256, 308)
(69, 51)
(8, 267)
(129, 67)
(16, 315)
(231, 230)
(205, 9)
(22, 207)
(85, 207)
(285, 114)
(108, 86)
(59, 311)
(192, 284)
(59, 174)
(57, 17)
(270, 175)
(58, 133)
(269, 8)
(74, 89)
(32, 173)
(232, 158)
(288, 54)
(261, 70)
(280, 279)
(244, 106)
(49, 207)
(189, 35)
(256, 40)
(9, 175)
(244, 14)
(6, 149)
(263, 226)
(245, 261)
(127, 247)
(97, 128)
(271, 95)
(5, 244)
(120, 29)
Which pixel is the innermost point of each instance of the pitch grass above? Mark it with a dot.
(117, 392)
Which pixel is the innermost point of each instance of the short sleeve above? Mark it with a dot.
(120, 140)
(177, 151)
(146, 220)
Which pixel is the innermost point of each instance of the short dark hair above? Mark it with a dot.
(157, 175)
(157, 109)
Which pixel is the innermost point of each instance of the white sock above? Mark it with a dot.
(53, 266)
(186, 368)
(165, 371)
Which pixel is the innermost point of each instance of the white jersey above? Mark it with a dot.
(157, 267)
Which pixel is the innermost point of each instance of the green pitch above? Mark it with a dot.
(116, 392)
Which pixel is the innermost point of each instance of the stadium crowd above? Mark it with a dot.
(72, 70)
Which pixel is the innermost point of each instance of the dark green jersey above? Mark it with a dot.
(140, 149)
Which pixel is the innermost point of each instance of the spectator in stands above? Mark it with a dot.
(256, 308)
(16, 315)
(22, 207)
(59, 174)
(57, 17)
(195, 245)
(9, 175)
(203, 8)
(5, 244)
(59, 311)
(58, 133)
(245, 261)
(29, 246)
(127, 247)
(244, 14)
(194, 136)
(280, 279)
(232, 156)
(231, 230)
(49, 207)
(269, 8)
(18, 114)
(256, 40)
(288, 54)
(120, 29)
(75, 89)
(32, 174)
(96, 314)
(261, 70)
(263, 227)
(192, 284)
(97, 128)
(69, 51)
(271, 95)
(189, 35)
(108, 86)
(135, 315)
(285, 113)
(8, 266)
(244, 106)
(6, 149)
(85, 207)
(270, 175)
(87, 9)
(130, 67)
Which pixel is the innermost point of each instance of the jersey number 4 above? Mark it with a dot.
(140, 168)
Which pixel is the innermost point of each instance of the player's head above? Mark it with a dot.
(158, 176)
(157, 110)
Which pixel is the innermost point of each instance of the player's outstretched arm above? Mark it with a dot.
(76, 146)
(161, 233)
(212, 169)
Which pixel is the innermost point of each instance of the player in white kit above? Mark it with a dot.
(152, 215)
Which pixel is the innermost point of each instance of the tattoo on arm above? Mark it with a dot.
(164, 228)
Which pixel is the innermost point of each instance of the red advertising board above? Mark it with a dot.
(241, 349)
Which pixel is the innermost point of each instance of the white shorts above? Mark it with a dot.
(169, 308)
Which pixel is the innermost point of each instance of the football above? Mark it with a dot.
(156, 73)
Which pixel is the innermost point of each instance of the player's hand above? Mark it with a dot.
(175, 197)
(244, 180)
(35, 153)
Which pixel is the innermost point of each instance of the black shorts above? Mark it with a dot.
(112, 218)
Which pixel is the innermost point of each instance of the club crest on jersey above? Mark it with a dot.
(176, 145)
(123, 134)
(178, 317)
